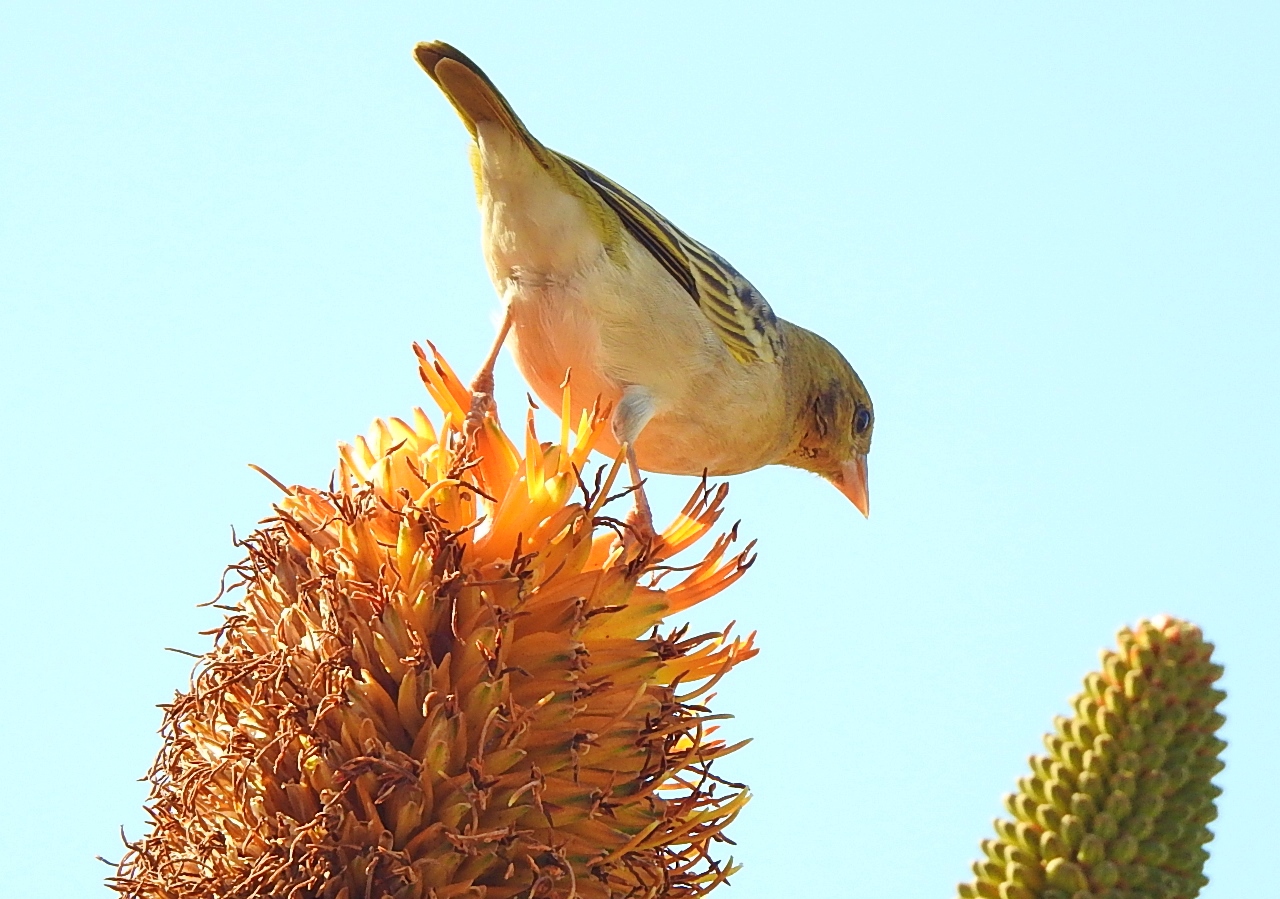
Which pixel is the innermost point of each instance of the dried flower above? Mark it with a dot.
(446, 678)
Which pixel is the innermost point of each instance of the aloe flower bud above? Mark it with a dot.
(1120, 805)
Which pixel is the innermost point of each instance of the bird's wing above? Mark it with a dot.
(738, 314)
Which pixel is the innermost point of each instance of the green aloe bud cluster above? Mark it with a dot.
(1119, 807)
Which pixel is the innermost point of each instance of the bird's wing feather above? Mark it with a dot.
(736, 311)
(738, 314)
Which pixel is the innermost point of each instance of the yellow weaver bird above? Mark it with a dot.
(699, 372)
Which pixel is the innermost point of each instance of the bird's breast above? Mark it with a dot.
(711, 412)
(554, 335)
(610, 316)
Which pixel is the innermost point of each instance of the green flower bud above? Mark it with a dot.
(1092, 850)
(1033, 787)
(1021, 806)
(1091, 783)
(1118, 807)
(1134, 875)
(1177, 716)
(1134, 685)
(1058, 795)
(1140, 827)
(1145, 635)
(1114, 700)
(988, 870)
(1154, 782)
(1124, 849)
(1171, 886)
(1072, 755)
(1108, 722)
(1153, 755)
(1028, 838)
(979, 890)
(1095, 685)
(1203, 816)
(1085, 705)
(1048, 817)
(1082, 734)
(1105, 749)
(1123, 783)
(1143, 712)
(1072, 830)
(1147, 807)
(1184, 858)
(1188, 860)
(993, 849)
(1062, 724)
(1066, 875)
(1128, 760)
(1115, 668)
(1118, 804)
(1016, 855)
(1090, 759)
(1052, 846)
(1026, 876)
(1105, 827)
(1018, 834)
(1163, 731)
(1084, 807)
(1105, 874)
(1178, 777)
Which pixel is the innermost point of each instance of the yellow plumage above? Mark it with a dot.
(700, 373)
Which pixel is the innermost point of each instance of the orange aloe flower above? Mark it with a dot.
(447, 677)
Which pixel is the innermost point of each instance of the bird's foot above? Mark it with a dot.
(638, 533)
(482, 404)
(639, 537)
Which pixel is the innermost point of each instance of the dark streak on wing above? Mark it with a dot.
(645, 225)
(736, 311)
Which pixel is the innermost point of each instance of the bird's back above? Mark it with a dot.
(600, 284)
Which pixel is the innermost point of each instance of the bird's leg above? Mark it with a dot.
(629, 418)
(640, 521)
(482, 387)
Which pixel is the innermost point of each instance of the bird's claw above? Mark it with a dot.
(638, 532)
(482, 406)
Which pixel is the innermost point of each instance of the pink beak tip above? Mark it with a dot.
(853, 484)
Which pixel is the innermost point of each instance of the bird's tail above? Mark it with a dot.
(470, 91)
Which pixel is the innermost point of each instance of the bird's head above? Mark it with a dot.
(834, 417)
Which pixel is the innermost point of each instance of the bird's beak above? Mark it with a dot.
(853, 483)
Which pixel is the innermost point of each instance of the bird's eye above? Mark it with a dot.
(861, 421)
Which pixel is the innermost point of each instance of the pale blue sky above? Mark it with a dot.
(1046, 237)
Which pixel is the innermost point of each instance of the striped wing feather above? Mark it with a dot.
(738, 314)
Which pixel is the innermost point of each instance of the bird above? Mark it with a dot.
(701, 376)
